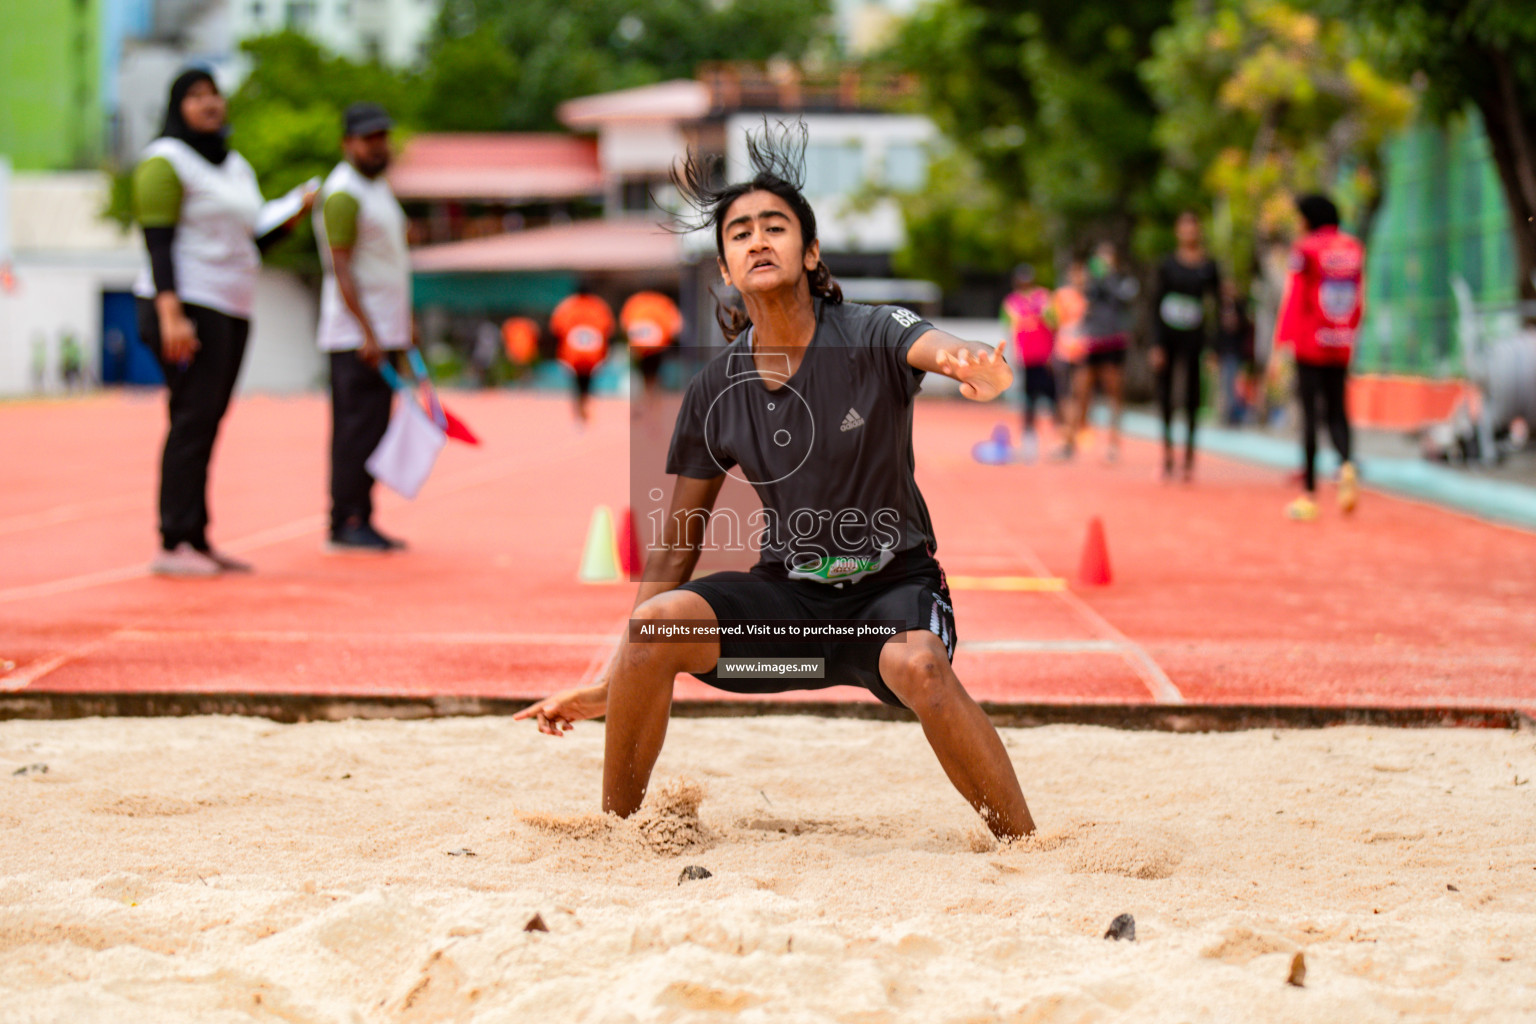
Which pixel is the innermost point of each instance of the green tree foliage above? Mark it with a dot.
(564, 50)
(961, 224)
(1046, 96)
(285, 118)
(1481, 52)
(470, 84)
(1260, 100)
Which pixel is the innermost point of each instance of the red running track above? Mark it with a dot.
(1217, 599)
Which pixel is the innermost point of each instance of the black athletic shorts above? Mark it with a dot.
(911, 590)
(1106, 356)
(1040, 382)
(650, 364)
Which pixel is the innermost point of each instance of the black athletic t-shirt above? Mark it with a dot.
(828, 450)
(1181, 292)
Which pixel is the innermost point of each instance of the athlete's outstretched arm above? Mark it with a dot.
(982, 371)
(667, 566)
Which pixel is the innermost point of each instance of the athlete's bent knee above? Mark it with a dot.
(918, 673)
(667, 657)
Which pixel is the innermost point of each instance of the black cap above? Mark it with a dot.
(365, 119)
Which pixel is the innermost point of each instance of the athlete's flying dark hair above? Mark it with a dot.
(777, 156)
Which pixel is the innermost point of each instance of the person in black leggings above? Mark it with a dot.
(1185, 279)
(199, 205)
(1325, 385)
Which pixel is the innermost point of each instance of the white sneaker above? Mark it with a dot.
(186, 562)
(1029, 449)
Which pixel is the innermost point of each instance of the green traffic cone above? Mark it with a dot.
(600, 555)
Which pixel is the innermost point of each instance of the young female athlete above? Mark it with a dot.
(812, 404)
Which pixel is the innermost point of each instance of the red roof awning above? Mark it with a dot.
(677, 100)
(582, 246)
(504, 167)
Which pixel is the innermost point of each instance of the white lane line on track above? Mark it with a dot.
(1042, 646)
(71, 513)
(294, 636)
(608, 641)
(272, 535)
(1142, 663)
(72, 583)
(26, 676)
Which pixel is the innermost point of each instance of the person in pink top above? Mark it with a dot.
(1030, 320)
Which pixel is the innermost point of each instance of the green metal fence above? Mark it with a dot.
(1443, 214)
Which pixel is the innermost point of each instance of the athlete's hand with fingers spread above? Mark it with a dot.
(982, 375)
(558, 713)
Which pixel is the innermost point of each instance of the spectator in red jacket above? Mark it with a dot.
(1319, 319)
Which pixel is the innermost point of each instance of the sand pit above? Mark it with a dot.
(217, 869)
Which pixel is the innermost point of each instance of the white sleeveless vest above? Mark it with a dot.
(381, 266)
(214, 251)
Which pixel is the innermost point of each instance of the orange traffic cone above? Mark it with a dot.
(630, 563)
(1094, 569)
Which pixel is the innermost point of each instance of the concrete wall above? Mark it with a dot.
(55, 297)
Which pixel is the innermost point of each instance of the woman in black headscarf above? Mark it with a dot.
(199, 205)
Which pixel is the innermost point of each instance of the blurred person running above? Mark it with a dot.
(199, 204)
(1319, 320)
(812, 403)
(582, 324)
(1106, 327)
(1186, 279)
(651, 323)
(1029, 318)
(365, 318)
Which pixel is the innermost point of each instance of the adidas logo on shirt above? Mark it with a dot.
(852, 420)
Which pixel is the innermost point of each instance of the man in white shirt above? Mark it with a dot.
(365, 317)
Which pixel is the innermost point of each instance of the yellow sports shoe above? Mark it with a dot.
(1349, 488)
(1303, 509)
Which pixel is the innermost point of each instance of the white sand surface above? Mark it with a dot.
(222, 869)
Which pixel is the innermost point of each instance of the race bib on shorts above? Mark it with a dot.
(1181, 312)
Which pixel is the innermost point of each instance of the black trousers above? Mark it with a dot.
(1181, 359)
(1321, 391)
(1039, 383)
(360, 404)
(199, 395)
